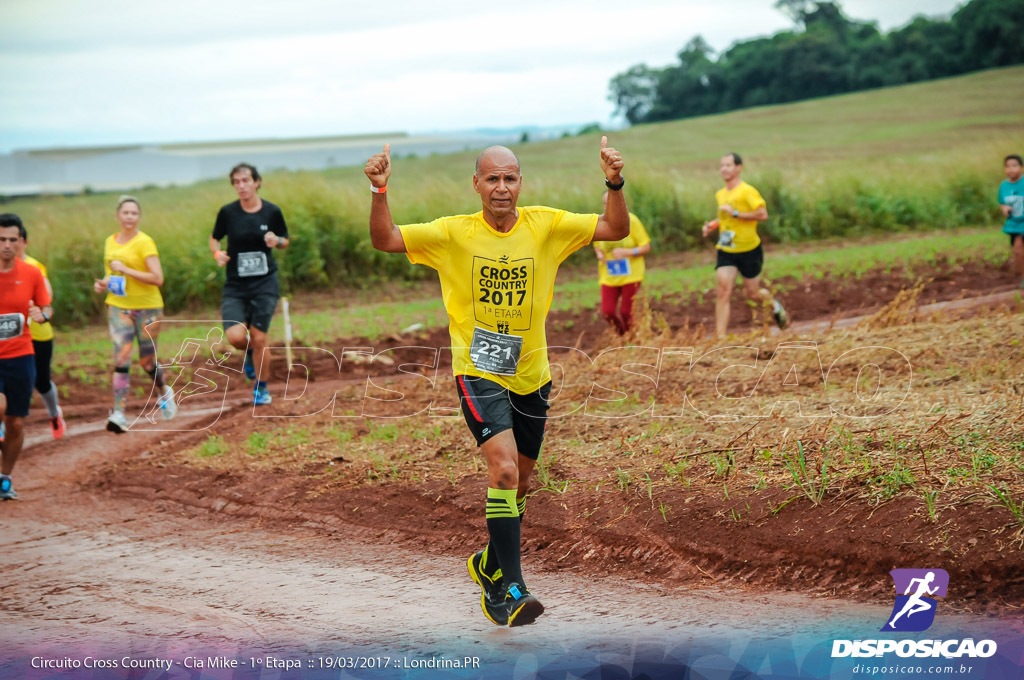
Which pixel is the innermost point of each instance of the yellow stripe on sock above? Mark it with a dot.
(502, 503)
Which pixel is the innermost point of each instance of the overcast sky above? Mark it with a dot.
(83, 72)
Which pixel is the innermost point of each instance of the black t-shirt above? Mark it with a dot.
(251, 259)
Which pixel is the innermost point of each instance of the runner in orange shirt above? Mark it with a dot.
(24, 298)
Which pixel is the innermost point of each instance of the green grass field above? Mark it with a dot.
(918, 157)
(318, 324)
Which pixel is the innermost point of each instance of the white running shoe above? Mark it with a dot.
(168, 407)
(116, 423)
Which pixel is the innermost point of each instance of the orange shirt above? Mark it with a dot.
(18, 287)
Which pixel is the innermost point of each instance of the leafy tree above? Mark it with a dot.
(694, 85)
(992, 33)
(634, 92)
(825, 53)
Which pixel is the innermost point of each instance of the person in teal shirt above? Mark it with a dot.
(1011, 202)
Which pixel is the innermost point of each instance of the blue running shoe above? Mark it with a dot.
(523, 608)
(248, 366)
(6, 490)
(168, 407)
(261, 396)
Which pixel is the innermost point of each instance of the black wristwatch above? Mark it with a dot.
(614, 187)
(46, 319)
(735, 212)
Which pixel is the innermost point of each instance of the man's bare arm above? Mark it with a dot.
(384, 234)
(613, 225)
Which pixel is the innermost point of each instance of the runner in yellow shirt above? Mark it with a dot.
(740, 208)
(134, 309)
(497, 270)
(621, 271)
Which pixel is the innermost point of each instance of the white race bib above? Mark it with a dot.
(495, 352)
(11, 326)
(252, 264)
(725, 238)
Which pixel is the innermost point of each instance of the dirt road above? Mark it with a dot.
(88, 572)
(85, 573)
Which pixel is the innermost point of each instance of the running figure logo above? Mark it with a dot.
(914, 610)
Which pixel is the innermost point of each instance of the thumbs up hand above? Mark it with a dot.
(35, 313)
(611, 162)
(378, 167)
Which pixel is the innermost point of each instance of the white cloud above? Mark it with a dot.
(120, 70)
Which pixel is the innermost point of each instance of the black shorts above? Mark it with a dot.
(1014, 237)
(17, 380)
(748, 262)
(44, 357)
(250, 303)
(490, 408)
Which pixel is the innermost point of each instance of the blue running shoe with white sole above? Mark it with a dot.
(168, 407)
(261, 396)
(6, 490)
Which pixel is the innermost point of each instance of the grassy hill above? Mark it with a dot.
(922, 156)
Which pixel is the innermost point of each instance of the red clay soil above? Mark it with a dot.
(806, 299)
(831, 549)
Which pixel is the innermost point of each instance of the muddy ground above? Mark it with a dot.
(94, 500)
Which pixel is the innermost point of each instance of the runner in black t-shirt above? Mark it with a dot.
(253, 227)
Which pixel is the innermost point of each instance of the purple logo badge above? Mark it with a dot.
(916, 590)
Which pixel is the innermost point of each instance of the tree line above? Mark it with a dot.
(825, 53)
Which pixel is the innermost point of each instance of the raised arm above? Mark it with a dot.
(613, 225)
(384, 234)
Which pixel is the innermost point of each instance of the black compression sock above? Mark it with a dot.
(503, 526)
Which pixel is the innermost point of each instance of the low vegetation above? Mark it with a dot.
(919, 157)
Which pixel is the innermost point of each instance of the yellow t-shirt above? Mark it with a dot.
(634, 265)
(133, 254)
(497, 287)
(41, 332)
(735, 235)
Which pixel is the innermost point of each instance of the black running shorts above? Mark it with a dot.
(490, 408)
(749, 262)
(17, 380)
(250, 303)
(1014, 237)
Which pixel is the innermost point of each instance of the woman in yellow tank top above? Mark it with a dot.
(132, 280)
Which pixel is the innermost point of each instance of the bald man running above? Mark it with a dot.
(497, 269)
